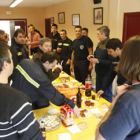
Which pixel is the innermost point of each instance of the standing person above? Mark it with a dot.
(18, 49)
(64, 51)
(2, 33)
(81, 49)
(45, 45)
(31, 77)
(114, 48)
(102, 62)
(55, 37)
(6, 38)
(85, 33)
(35, 30)
(17, 120)
(122, 122)
(33, 39)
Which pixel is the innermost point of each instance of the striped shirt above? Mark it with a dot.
(16, 116)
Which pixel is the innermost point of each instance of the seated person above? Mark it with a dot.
(31, 77)
(114, 48)
(17, 120)
(45, 45)
(122, 121)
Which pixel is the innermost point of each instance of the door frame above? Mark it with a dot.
(125, 20)
(46, 25)
(19, 19)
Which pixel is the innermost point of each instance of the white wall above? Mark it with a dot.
(117, 8)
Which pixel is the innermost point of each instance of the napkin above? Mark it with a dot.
(74, 129)
(53, 111)
(95, 111)
(64, 136)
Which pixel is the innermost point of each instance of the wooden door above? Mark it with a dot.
(47, 26)
(131, 25)
(22, 24)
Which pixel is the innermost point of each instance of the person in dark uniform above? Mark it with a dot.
(18, 48)
(81, 47)
(45, 45)
(31, 77)
(122, 122)
(85, 33)
(114, 48)
(102, 62)
(55, 37)
(64, 51)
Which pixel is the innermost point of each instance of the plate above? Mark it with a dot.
(96, 104)
(69, 92)
(87, 114)
(73, 98)
(52, 122)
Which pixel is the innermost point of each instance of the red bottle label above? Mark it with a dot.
(88, 85)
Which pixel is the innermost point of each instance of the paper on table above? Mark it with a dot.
(95, 111)
(74, 129)
(64, 136)
(53, 111)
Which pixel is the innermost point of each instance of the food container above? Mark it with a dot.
(66, 115)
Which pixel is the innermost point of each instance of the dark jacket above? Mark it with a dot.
(55, 40)
(19, 52)
(111, 75)
(66, 49)
(51, 74)
(32, 78)
(104, 65)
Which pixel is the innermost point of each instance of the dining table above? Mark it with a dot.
(92, 122)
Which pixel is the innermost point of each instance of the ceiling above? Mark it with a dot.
(31, 3)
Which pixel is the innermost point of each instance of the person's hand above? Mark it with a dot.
(68, 62)
(76, 111)
(94, 60)
(122, 89)
(89, 57)
(90, 67)
(71, 68)
(100, 92)
(58, 50)
(59, 66)
(54, 50)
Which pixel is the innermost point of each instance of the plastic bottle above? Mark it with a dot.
(42, 128)
(88, 86)
(78, 98)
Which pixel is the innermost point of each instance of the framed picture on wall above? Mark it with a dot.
(75, 19)
(98, 15)
(61, 18)
(52, 20)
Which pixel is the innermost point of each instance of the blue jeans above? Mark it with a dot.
(100, 80)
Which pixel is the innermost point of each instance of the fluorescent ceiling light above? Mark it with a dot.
(15, 3)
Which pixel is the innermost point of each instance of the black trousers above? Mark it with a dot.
(81, 70)
(66, 68)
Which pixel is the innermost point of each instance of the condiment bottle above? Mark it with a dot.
(78, 98)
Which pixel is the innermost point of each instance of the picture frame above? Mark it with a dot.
(52, 20)
(98, 15)
(61, 17)
(75, 19)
